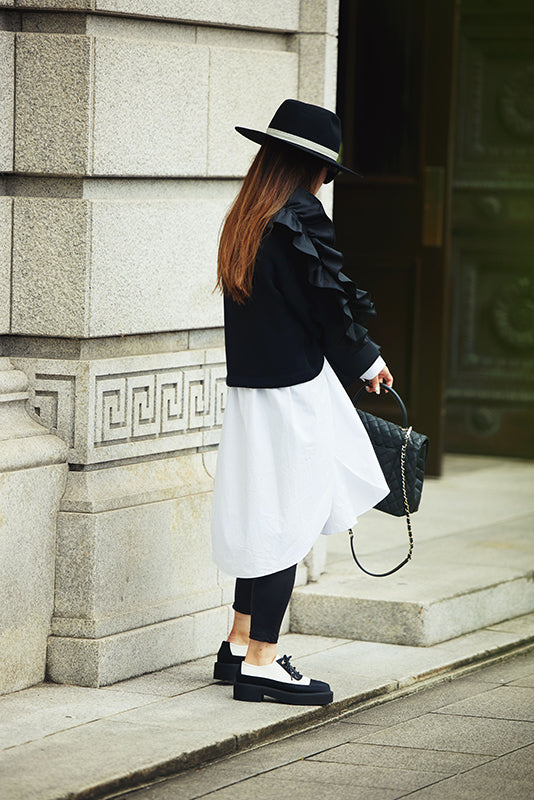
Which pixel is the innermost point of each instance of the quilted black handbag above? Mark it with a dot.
(401, 453)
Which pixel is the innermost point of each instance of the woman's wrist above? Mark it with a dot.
(374, 369)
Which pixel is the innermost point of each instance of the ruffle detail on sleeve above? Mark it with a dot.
(313, 235)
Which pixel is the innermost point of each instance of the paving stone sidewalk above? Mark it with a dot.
(66, 742)
(59, 742)
(471, 738)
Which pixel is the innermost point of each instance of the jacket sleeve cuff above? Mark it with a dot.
(349, 364)
(373, 370)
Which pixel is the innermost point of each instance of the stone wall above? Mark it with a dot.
(119, 159)
(32, 478)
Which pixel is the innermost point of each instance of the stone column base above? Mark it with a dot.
(99, 662)
(136, 588)
(32, 477)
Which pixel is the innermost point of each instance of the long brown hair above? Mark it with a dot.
(277, 170)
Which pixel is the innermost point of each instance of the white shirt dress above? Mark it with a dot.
(294, 462)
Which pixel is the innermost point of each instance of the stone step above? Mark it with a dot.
(454, 585)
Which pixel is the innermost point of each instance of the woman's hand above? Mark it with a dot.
(384, 376)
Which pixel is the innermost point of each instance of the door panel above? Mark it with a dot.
(396, 61)
(490, 390)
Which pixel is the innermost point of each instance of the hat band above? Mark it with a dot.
(292, 139)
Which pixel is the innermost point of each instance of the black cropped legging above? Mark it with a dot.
(265, 599)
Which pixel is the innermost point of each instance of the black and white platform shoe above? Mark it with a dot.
(280, 681)
(229, 658)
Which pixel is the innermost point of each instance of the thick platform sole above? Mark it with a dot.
(225, 672)
(255, 694)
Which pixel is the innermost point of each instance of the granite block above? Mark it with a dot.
(20, 454)
(6, 212)
(27, 544)
(318, 70)
(129, 485)
(319, 16)
(130, 567)
(165, 253)
(138, 28)
(57, 5)
(32, 465)
(72, 262)
(52, 109)
(209, 337)
(227, 585)
(7, 99)
(51, 247)
(210, 627)
(100, 662)
(150, 113)
(239, 94)
(435, 606)
(60, 22)
(277, 15)
(243, 38)
(210, 462)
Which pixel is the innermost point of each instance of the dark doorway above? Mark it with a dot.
(395, 97)
(490, 392)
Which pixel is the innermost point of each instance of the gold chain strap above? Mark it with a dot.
(408, 520)
(406, 504)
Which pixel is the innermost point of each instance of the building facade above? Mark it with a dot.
(118, 160)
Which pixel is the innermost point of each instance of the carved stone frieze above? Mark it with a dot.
(53, 402)
(123, 408)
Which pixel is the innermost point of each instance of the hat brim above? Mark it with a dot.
(260, 136)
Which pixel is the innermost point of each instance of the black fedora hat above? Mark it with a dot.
(310, 128)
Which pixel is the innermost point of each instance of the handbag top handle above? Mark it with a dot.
(395, 395)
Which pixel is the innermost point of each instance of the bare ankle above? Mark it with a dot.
(240, 629)
(236, 639)
(260, 654)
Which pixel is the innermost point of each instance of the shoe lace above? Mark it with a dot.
(285, 662)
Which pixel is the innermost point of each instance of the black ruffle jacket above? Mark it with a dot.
(302, 307)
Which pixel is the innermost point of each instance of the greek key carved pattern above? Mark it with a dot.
(52, 401)
(135, 413)
(168, 402)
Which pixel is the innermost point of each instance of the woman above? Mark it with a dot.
(294, 459)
